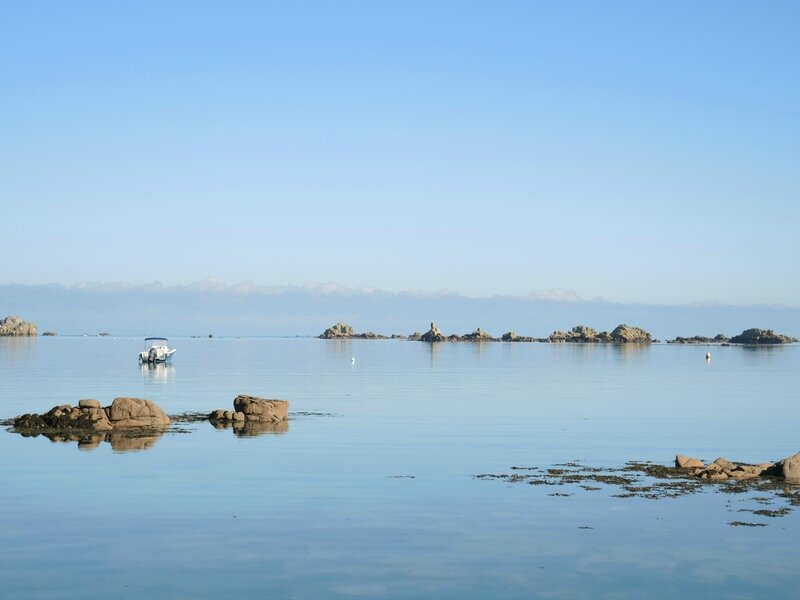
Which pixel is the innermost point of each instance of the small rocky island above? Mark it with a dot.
(343, 331)
(13, 326)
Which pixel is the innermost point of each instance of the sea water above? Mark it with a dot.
(371, 489)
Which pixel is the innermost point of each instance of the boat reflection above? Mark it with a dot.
(156, 372)
(253, 428)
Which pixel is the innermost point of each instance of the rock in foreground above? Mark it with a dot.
(761, 336)
(16, 326)
(90, 416)
(252, 409)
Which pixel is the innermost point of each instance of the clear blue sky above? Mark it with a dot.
(638, 151)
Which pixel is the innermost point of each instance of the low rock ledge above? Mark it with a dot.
(723, 469)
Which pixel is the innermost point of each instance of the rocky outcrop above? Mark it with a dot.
(790, 467)
(125, 413)
(625, 334)
(479, 335)
(512, 336)
(434, 334)
(761, 337)
(720, 338)
(338, 331)
(579, 334)
(723, 469)
(91, 417)
(16, 326)
(252, 409)
(622, 334)
(343, 331)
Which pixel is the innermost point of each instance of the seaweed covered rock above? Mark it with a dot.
(16, 326)
(761, 336)
(87, 416)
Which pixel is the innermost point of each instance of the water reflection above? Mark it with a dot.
(156, 372)
(17, 349)
(253, 428)
(121, 441)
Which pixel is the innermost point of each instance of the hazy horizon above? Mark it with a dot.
(211, 307)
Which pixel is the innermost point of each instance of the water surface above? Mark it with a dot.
(371, 491)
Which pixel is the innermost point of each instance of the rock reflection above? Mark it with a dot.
(121, 441)
(253, 428)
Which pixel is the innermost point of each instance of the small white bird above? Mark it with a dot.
(352, 360)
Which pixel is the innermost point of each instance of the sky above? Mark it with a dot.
(639, 152)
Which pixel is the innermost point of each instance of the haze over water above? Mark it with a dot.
(371, 490)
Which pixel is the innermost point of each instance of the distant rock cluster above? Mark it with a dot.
(580, 334)
(622, 334)
(722, 469)
(16, 327)
(345, 331)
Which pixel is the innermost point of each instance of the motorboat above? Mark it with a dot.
(156, 350)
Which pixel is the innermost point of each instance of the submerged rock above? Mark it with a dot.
(761, 336)
(17, 327)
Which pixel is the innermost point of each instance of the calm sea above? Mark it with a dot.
(371, 489)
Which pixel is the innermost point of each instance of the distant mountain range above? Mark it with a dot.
(211, 307)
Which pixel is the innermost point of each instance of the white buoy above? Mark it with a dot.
(353, 360)
(708, 355)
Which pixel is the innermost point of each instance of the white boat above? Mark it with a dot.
(156, 350)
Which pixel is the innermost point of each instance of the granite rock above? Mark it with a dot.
(16, 326)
